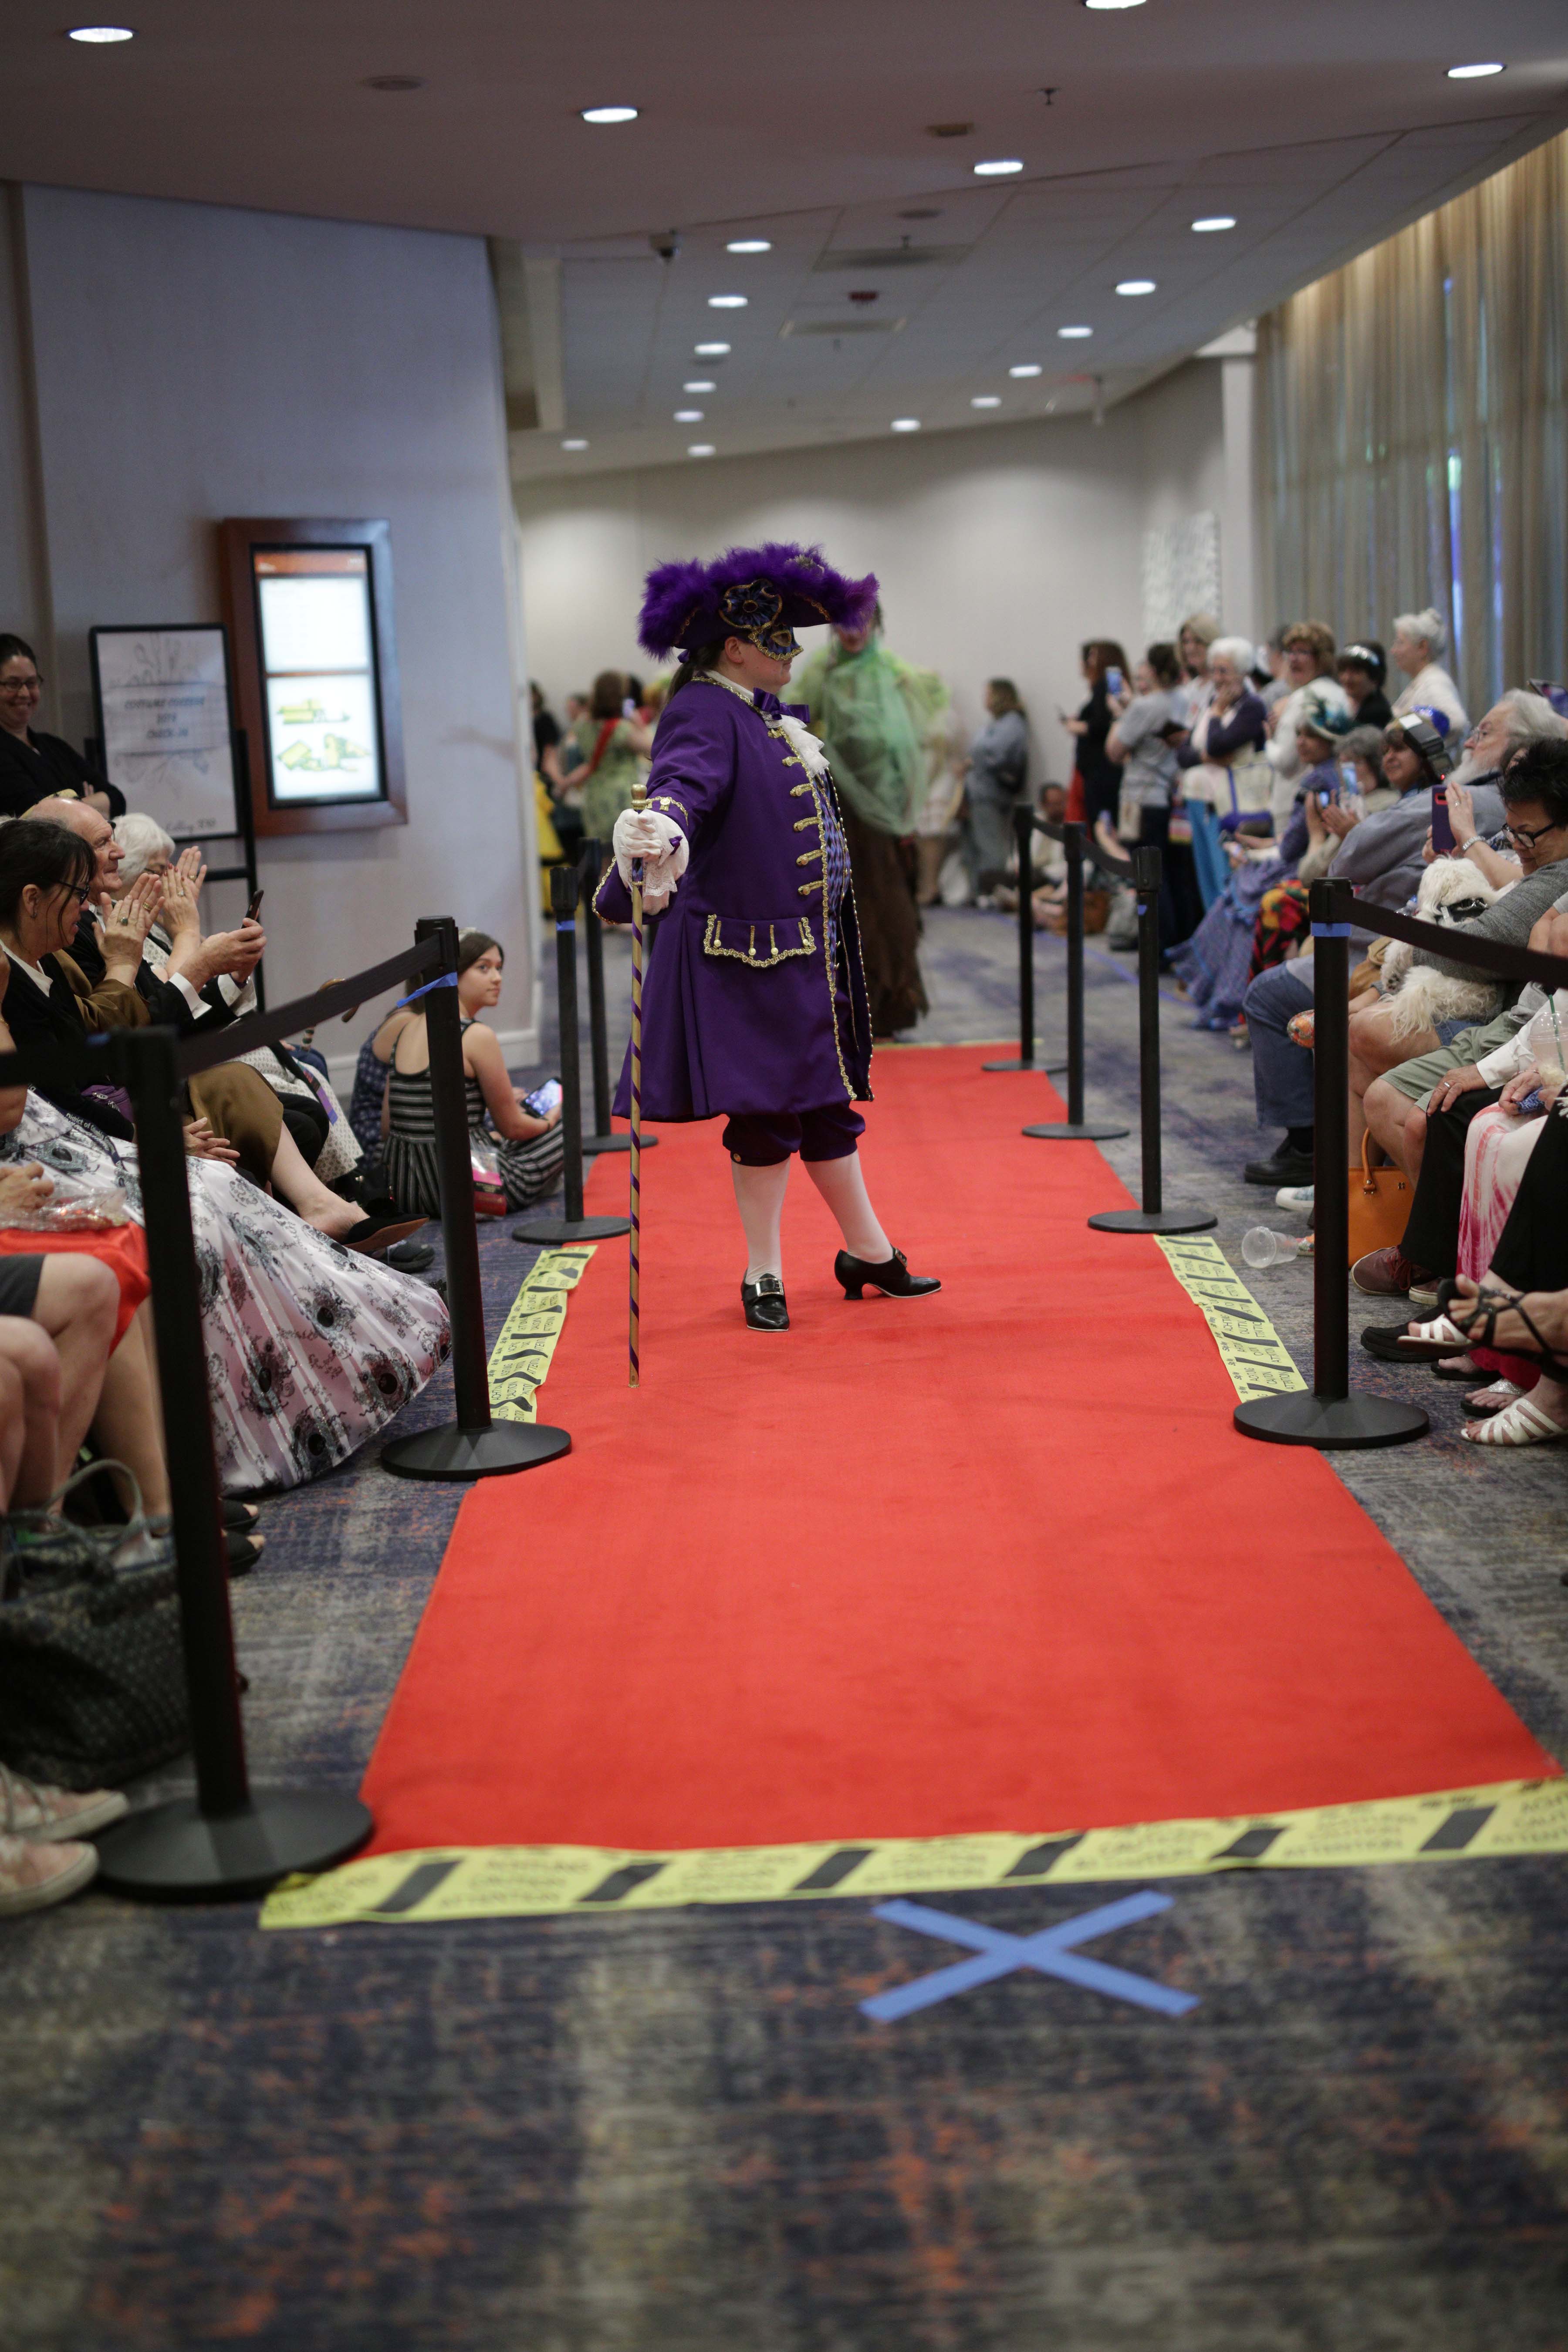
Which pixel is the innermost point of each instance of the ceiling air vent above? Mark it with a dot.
(870, 258)
(841, 326)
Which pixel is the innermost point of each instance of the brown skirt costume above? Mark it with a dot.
(889, 926)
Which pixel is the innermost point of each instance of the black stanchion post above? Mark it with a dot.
(604, 1138)
(574, 1226)
(1076, 1129)
(227, 1840)
(1024, 834)
(473, 1447)
(1328, 1415)
(1154, 1217)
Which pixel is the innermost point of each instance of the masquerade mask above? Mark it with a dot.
(752, 611)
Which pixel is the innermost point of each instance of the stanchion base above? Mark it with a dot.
(1300, 1418)
(572, 1229)
(1153, 1221)
(1085, 1132)
(595, 1143)
(454, 1453)
(1040, 1069)
(177, 1853)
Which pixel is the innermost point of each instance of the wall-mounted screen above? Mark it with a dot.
(316, 672)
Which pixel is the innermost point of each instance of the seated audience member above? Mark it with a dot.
(1047, 864)
(1276, 682)
(1309, 671)
(1215, 964)
(1383, 856)
(1535, 795)
(35, 766)
(1426, 1107)
(1420, 641)
(1360, 669)
(44, 1857)
(190, 982)
(528, 1151)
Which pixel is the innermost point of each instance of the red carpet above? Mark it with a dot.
(994, 1561)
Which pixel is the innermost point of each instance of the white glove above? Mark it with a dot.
(664, 849)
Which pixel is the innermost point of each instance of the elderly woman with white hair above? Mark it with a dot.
(1226, 777)
(1420, 641)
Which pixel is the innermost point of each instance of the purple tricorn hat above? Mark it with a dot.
(761, 593)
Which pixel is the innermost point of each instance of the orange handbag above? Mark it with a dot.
(1379, 1205)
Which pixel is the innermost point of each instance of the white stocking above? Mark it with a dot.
(843, 1187)
(760, 1197)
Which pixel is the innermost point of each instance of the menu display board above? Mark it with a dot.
(161, 699)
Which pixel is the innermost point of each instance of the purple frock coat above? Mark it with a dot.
(754, 999)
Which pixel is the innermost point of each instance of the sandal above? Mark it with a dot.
(1493, 1399)
(1488, 1305)
(1455, 1367)
(1523, 1422)
(1428, 1343)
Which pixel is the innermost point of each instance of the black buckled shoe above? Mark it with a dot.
(763, 1301)
(894, 1279)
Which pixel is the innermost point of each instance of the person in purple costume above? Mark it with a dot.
(755, 1003)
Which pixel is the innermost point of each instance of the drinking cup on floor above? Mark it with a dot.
(1260, 1247)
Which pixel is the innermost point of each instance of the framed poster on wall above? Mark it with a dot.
(166, 726)
(310, 612)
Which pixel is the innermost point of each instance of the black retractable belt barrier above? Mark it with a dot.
(1026, 824)
(1154, 1217)
(604, 1138)
(1328, 1415)
(574, 1226)
(1076, 1129)
(473, 1447)
(227, 1840)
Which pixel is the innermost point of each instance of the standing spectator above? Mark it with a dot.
(1279, 682)
(1420, 641)
(1101, 776)
(611, 745)
(1362, 669)
(546, 735)
(998, 761)
(1194, 639)
(36, 767)
(1143, 741)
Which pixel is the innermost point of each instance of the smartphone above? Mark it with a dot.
(254, 907)
(1114, 679)
(1348, 775)
(1442, 823)
(543, 1099)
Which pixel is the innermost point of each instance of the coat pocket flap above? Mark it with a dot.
(759, 941)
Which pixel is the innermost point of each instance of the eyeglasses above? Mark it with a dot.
(20, 685)
(1525, 833)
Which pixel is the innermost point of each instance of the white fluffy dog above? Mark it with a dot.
(1417, 997)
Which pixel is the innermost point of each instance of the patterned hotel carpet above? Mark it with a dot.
(674, 2132)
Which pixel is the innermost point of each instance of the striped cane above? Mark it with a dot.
(639, 801)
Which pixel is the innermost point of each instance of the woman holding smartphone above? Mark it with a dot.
(527, 1150)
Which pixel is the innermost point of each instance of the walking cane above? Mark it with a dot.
(639, 802)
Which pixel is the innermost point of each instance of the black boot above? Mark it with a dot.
(893, 1280)
(763, 1301)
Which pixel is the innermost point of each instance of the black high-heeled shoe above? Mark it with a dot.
(894, 1279)
(763, 1301)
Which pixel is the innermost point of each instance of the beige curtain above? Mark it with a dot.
(1413, 419)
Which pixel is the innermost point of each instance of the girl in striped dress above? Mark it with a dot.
(528, 1150)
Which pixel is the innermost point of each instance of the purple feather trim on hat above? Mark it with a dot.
(681, 601)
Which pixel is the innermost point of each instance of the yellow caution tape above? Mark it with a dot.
(521, 1357)
(436, 1882)
(1251, 1349)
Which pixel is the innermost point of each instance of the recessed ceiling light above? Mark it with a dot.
(700, 450)
(1136, 285)
(1473, 73)
(906, 424)
(1074, 334)
(728, 301)
(392, 83)
(711, 350)
(688, 416)
(1026, 367)
(700, 383)
(985, 400)
(610, 114)
(1214, 221)
(749, 245)
(1113, 4)
(998, 168)
(573, 445)
(98, 36)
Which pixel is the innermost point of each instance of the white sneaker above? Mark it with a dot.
(31, 1809)
(32, 1876)
(1294, 1196)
